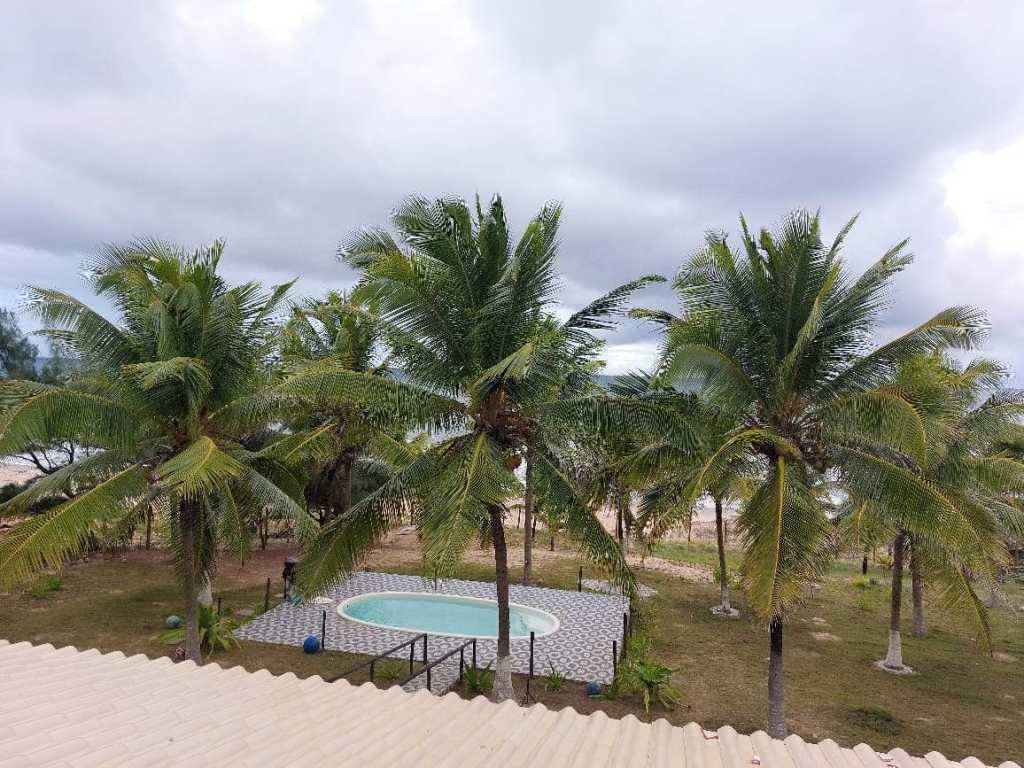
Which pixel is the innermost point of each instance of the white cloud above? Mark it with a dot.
(985, 193)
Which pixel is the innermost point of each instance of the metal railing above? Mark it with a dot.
(461, 650)
(372, 663)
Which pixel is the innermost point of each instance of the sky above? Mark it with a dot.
(282, 126)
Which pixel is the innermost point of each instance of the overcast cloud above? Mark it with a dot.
(282, 126)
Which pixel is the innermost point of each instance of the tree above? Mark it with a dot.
(161, 392)
(778, 335)
(336, 330)
(462, 304)
(17, 353)
(966, 412)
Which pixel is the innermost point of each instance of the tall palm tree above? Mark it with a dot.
(155, 392)
(462, 303)
(779, 335)
(966, 412)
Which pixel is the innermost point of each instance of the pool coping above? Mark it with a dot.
(452, 599)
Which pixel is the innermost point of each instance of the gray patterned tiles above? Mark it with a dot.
(581, 649)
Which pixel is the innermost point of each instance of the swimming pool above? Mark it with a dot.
(452, 615)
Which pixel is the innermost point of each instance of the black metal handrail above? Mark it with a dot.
(371, 663)
(461, 650)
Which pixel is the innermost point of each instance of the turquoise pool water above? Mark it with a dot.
(444, 614)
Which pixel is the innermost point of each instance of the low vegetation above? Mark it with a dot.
(959, 702)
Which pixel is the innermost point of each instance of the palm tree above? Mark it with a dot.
(155, 393)
(966, 412)
(462, 305)
(337, 331)
(778, 335)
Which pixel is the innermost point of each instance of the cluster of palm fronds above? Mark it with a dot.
(417, 396)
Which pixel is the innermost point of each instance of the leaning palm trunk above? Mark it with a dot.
(776, 681)
(503, 664)
(894, 656)
(528, 518)
(920, 625)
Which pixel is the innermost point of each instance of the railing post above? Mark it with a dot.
(462, 652)
(579, 580)
(531, 665)
(372, 663)
(323, 633)
(266, 597)
(424, 649)
(428, 679)
(474, 654)
(625, 630)
(615, 659)
(412, 654)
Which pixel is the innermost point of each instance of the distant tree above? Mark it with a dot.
(17, 353)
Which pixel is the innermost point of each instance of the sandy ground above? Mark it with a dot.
(403, 548)
(16, 473)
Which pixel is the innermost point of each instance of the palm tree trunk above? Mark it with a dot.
(920, 625)
(503, 663)
(621, 505)
(149, 526)
(189, 581)
(776, 681)
(528, 518)
(723, 575)
(894, 656)
(864, 565)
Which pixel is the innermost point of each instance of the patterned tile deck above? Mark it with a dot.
(581, 649)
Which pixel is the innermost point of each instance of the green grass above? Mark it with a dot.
(960, 702)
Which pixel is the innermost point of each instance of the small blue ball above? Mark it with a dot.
(172, 622)
(593, 689)
(311, 644)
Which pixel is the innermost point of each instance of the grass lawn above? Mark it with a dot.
(960, 702)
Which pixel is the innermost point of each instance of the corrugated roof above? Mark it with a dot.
(82, 708)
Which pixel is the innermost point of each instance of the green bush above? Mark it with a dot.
(652, 681)
(390, 670)
(44, 585)
(216, 630)
(553, 680)
(478, 679)
(866, 582)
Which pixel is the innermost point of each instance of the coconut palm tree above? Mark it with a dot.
(338, 332)
(967, 413)
(778, 335)
(154, 392)
(463, 306)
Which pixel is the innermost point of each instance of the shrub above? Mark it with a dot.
(652, 681)
(44, 585)
(216, 630)
(553, 680)
(390, 670)
(866, 582)
(478, 679)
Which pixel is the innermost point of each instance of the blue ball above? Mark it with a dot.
(311, 644)
(593, 689)
(172, 622)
